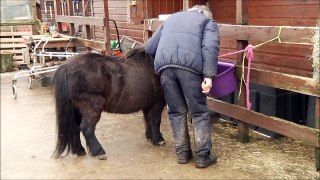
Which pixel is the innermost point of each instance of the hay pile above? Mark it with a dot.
(282, 158)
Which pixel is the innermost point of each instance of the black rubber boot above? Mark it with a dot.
(184, 157)
(206, 162)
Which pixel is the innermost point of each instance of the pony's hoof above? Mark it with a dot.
(102, 157)
(160, 143)
(81, 153)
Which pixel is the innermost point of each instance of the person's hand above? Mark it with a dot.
(206, 85)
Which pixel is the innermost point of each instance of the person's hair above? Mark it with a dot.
(202, 9)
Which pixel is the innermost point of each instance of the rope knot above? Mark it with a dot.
(249, 52)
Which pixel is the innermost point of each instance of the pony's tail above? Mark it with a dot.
(65, 113)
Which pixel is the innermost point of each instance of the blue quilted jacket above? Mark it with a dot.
(186, 40)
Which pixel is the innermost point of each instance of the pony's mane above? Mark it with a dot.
(137, 53)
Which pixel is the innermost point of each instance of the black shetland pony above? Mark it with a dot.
(90, 83)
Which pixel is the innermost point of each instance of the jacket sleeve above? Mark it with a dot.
(152, 43)
(210, 48)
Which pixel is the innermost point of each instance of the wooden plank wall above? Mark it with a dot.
(284, 12)
(291, 59)
(97, 9)
(165, 7)
(224, 12)
(120, 12)
(285, 58)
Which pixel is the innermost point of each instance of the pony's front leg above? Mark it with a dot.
(88, 130)
(152, 118)
(157, 138)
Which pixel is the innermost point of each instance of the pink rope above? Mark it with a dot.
(250, 56)
(249, 53)
(232, 53)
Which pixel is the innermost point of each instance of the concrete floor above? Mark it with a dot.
(28, 141)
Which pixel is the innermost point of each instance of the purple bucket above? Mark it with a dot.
(225, 82)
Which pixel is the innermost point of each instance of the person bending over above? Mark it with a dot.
(186, 48)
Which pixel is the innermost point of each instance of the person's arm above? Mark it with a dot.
(210, 49)
(152, 43)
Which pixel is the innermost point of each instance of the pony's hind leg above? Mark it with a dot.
(91, 107)
(79, 150)
(93, 144)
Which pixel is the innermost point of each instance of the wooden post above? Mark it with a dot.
(34, 9)
(106, 28)
(242, 19)
(57, 10)
(186, 5)
(147, 33)
(317, 119)
(70, 13)
(148, 11)
(70, 7)
(86, 28)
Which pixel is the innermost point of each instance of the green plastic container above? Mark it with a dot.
(113, 44)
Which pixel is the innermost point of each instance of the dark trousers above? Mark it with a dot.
(182, 91)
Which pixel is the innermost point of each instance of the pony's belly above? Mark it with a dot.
(131, 102)
(123, 109)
